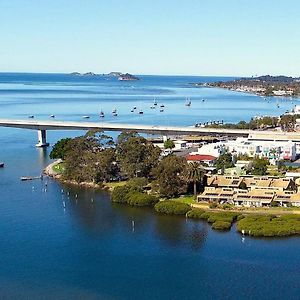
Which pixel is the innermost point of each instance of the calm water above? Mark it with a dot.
(89, 250)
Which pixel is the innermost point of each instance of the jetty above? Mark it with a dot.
(25, 178)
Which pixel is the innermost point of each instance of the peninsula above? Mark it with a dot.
(263, 85)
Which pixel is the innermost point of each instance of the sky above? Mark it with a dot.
(171, 37)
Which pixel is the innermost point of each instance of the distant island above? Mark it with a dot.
(263, 85)
(121, 76)
(127, 77)
(84, 74)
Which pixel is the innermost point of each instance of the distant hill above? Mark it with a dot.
(266, 85)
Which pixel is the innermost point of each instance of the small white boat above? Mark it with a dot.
(86, 117)
(1, 164)
(114, 110)
(161, 110)
(134, 107)
(52, 116)
(152, 107)
(162, 106)
(101, 114)
(31, 116)
(141, 112)
(154, 102)
(188, 102)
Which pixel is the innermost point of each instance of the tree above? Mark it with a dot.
(259, 166)
(170, 176)
(288, 122)
(135, 155)
(195, 174)
(224, 161)
(87, 159)
(60, 149)
(169, 144)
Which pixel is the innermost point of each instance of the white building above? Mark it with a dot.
(273, 150)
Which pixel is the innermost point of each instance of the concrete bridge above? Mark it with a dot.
(43, 125)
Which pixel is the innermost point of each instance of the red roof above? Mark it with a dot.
(200, 157)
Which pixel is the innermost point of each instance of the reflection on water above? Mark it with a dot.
(71, 242)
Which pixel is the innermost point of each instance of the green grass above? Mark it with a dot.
(188, 199)
(112, 185)
(59, 168)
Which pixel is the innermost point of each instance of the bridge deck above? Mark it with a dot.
(165, 130)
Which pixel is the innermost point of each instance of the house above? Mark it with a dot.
(224, 181)
(206, 159)
(212, 194)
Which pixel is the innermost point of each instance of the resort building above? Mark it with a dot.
(273, 150)
(251, 191)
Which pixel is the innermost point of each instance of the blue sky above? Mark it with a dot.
(188, 37)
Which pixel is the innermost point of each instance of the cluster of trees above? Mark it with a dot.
(257, 166)
(254, 123)
(96, 158)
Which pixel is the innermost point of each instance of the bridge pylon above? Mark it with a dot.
(42, 141)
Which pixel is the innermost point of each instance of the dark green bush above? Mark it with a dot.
(170, 207)
(141, 199)
(274, 204)
(240, 217)
(137, 184)
(270, 225)
(195, 213)
(119, 194)
(221, 225)
(213, 205)
(213, 216)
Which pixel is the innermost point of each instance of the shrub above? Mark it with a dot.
(195, 213)
(137, 184)
(170, 207)
(274, 204)
(212, 216)
(141, 199)
(225, 206)
(213, 205)
(119, 194)
(221, 225)
(270, 225)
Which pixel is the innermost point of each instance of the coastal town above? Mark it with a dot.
(261, 171)
(262, 85)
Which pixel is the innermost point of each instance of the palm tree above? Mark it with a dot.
(195, 174)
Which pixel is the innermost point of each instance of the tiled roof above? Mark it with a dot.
(200, 157)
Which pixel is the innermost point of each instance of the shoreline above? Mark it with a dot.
(48, 171)
(220, 219)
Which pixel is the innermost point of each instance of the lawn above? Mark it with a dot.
(189, 199)
(59, 168)
(114, 184)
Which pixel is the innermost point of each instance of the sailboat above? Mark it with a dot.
(154, 102)
(188, 102)
(114, 112)
(101, 114)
